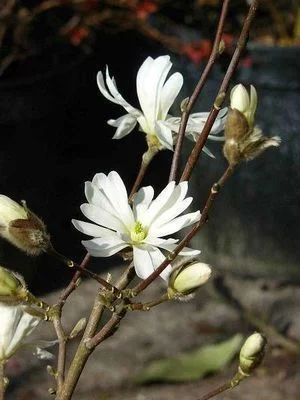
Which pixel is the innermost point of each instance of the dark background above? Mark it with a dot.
(54, 137)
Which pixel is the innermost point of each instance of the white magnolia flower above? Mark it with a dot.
(15, 325)
(156, 95)
(140, 227)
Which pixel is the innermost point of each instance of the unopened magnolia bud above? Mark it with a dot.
(22, 228)
(252, 353)
(12, 286)
(241, 101)
(188, 278)
(243, 140)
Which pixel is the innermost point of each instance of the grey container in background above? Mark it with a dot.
(253, 229)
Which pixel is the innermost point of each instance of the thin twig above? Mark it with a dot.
(186, 113)
(73, 283)
(146, 160)
(216, 391)
(61, 359)
(2, 380)
(83, 351)
(192, 160)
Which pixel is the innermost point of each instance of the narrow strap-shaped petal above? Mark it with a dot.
(114, 190)
(176, 224)
(147, 259)
(141, 202)
(169, 93)
(103, 218)
(164, 135)
(171, 207)
(158, 203)
(170, 214)
(102, 247)
(91, 229)
(150, 79)
(124, 125)
(186, 251)
(111, 84)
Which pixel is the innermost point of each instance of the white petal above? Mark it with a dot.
(172, 206)
(114, 190)
(102, 247)
(147, 259)
(141, 201)
(124, 125)
(92, 229)
(170, 214)
(150, 79)
(176, 224)
(103, 90)
(111, 84)
(119, 198)
(102, 217)
(142, 262)
(159, 242)
(96, 195)
(158, 204)
(164, 135)
(169, 93)
(186, 251)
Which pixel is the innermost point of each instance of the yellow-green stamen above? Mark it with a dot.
(138, 233)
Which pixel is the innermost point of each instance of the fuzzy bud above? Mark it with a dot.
(252, 353)
(243, 140)
(243, 102)
(22, 228)
(188, 278)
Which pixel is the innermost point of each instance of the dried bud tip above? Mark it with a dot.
(188, 278)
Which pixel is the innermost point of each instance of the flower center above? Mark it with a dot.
(138, 233)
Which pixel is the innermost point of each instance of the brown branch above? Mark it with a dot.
(186, 113)
(216, 391)
(192, 160)
(61, 359)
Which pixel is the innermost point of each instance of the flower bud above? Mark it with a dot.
(22, 228)
(9, 282)
(243, 140)
(188, 278)
(241, 101)
(252, 353)
(12, 287)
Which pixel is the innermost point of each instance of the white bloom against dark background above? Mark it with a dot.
(140, 227)
(156, 95)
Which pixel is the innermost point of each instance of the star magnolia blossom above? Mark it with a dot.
(15, 325)
(140, 227)
(156, 95)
